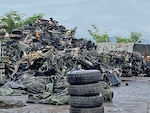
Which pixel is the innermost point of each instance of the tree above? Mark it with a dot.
(14, 19)
(136, 37)
(94, 32)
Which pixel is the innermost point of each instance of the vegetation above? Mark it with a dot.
(94, 33)
(123, 40)
(14, 19)
(134, 38)
(33, 18)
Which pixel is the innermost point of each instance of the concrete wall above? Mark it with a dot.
(109, 46)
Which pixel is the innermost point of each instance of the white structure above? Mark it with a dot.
(109, 46)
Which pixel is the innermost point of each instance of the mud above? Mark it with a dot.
(132, 96)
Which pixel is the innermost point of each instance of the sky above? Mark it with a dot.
(116, 17)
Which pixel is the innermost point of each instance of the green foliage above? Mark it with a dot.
(15, 19)
(123, 40)
(33, 18)
(94, 32)
(134, 38)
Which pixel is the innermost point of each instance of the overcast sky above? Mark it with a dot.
(117, 17)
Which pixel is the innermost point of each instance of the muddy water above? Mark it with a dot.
(131, 98)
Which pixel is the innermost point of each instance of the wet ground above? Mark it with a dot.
(132, 96)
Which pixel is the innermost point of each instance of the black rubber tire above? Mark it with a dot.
(87, 110)
(83, 76)
(85, 102)
(84, 90)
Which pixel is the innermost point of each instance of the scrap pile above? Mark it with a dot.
(129, 64)
(46, 48)
(39, 55)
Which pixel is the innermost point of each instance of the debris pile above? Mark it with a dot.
(40, 54)
(129, 64)
(46, 48)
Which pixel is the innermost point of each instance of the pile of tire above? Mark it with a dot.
(85, 96)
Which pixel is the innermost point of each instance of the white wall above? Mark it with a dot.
(109, 46)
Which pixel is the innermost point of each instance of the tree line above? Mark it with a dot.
(134, 37)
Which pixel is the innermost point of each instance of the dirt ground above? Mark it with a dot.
(132, 96)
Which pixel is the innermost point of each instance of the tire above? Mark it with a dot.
(85, 102)
(87, 110)
(83, 77)
(84, 90)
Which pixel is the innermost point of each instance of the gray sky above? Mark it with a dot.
(117, 17)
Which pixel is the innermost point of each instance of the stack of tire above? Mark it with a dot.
(84, 91)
